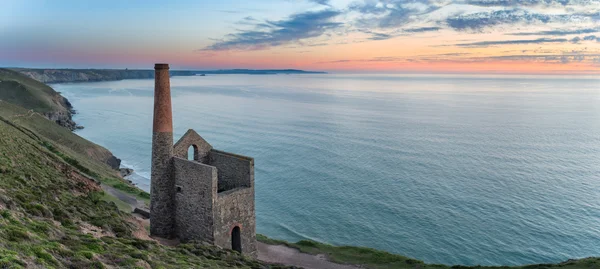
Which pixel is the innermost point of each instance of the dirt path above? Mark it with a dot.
(290, 256)
(127, 198)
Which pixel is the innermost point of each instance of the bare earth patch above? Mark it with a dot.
(140, 231)
(289, 256)
(95, 231)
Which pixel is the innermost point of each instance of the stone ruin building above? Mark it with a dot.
(209, 198)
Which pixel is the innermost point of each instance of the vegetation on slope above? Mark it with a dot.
(62, 138)
(52, 215)
(28, 93)
(376, 259)
(19, 89)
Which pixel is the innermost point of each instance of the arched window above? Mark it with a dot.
(236, 239)
(193, 153)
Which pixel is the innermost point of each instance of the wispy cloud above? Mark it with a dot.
(575, 40)
(387, 19)
(422, 29)
(506, 3)
(480, 20)
(380, 36)
(393, 13)
(558, 58)
(513, 42)
(275, 33)
(321, 2)
(564, 58)
(591, 38)
(560, 32)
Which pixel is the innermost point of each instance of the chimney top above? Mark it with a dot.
(161, 66)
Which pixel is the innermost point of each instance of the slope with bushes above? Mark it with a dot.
(53, 213)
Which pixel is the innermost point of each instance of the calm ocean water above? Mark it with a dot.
(447, 169)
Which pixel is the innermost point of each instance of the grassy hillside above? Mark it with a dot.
(376, 259)
(90, 154)
(28, 95)
(53, 214)
(19, 89)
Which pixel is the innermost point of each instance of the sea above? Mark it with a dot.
(450, 169)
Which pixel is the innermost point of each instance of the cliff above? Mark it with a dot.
(21, 90)
(88, 75)
(25, 99)
(54, 213)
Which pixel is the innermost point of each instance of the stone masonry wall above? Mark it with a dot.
(192, 138)
(196, 190)
(235, 171)
(162, 191)
(236, 208)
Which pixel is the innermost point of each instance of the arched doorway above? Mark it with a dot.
(236, 239)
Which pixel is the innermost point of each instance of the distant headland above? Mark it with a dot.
(88, 75)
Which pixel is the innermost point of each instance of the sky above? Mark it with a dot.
(406, 36)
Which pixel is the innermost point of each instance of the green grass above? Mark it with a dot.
(62, 139)
(120, 204)
(377, 259)
(45, 208)
(19, 89)
(26, 101)
(126, 187)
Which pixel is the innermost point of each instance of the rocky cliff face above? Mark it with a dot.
(64, 116)
(88, 75)
(21, 90)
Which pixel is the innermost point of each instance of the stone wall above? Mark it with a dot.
(162, 190)
(236, 208)
(201, 147)
(196, 190)
(235, 171)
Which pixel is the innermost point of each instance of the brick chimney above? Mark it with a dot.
(162, 201)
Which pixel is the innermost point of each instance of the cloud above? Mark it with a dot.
(275, 33)
(506, 3)
(564, 58)
(575, 40)
(380, 36)
(321, 2)
(589, 37)
(561, 32)
(480, 20)
(386, 19)
(513, 42)
(422, 29)
(377, 35)
(473, 15)
(392, 13)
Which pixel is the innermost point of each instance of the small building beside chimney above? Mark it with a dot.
(206, 197)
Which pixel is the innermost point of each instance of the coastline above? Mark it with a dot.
(95, 75)
(542, 264)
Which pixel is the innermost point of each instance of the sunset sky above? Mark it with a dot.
(422, 36)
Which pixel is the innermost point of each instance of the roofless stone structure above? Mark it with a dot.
(209, 198)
